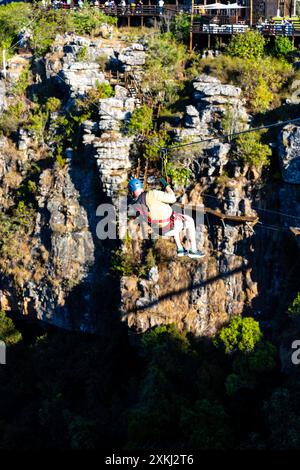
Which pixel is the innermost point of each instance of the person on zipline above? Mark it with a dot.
(153, 206)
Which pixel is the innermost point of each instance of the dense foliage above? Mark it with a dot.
(67, 390)
(271, 77)
(165, 67)
(282, 47)
(252, 151)
(241, 334)
(43, 25)
(249, 45)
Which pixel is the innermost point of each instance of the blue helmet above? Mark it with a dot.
(134, 184)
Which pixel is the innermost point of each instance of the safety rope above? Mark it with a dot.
(164, 162)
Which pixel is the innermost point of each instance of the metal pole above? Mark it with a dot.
(191, 27)
(278, 8)
(4, 62)
(294, 7)
(251, 12)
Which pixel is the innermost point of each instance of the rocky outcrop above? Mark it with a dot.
(213, 101)
(80, 63)
(289, 153)
(81, 77)
(2, 96)
(112, 147)
(132, 58)
(62, 230)
(197, 296)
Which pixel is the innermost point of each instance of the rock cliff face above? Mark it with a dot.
(289, 143)
(112, 147)
(66, 272)
(201, 296)
(2, 96)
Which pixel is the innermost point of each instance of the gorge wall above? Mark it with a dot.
(60, 272)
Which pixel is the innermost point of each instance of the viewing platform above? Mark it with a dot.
(208, 20)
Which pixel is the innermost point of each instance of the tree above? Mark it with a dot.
(249, 45)
(181, 26)
(253, 368)
(8, 332)
(282, 417)
(141, 121)
(242, 334)
(205, 426)
(165, 68)
(282, 47)
(251, 151)
(13, 18)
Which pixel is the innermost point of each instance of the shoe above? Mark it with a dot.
(182, 252)
(195, 254)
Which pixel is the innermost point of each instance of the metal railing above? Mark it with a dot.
(266, 30)
(278, 30)
(133, 10)
(219, 29)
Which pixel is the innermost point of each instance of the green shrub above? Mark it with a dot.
(246, 73)
(149, 262)
(88, 20)
(141, 121)
(13, 18)
(294, 309)
(123, 263)
(45, 28)
(231, 122)
(23, 82)
(251, 151)
(232, 384)
(152, 145)
(165, 69)
(12, 117)
(180, 26)
(180, 175)
(104, 90)
(249, 45)
(53, 105)
(282, 47)
(251, 368)
(160, 335)
(60, 158)
(82, 54)
(262, 97)
(241, 334)
(8, 332)
(49, 23)
(37, 124)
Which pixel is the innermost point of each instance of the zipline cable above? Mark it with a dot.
(232, 135)
(284, 214)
